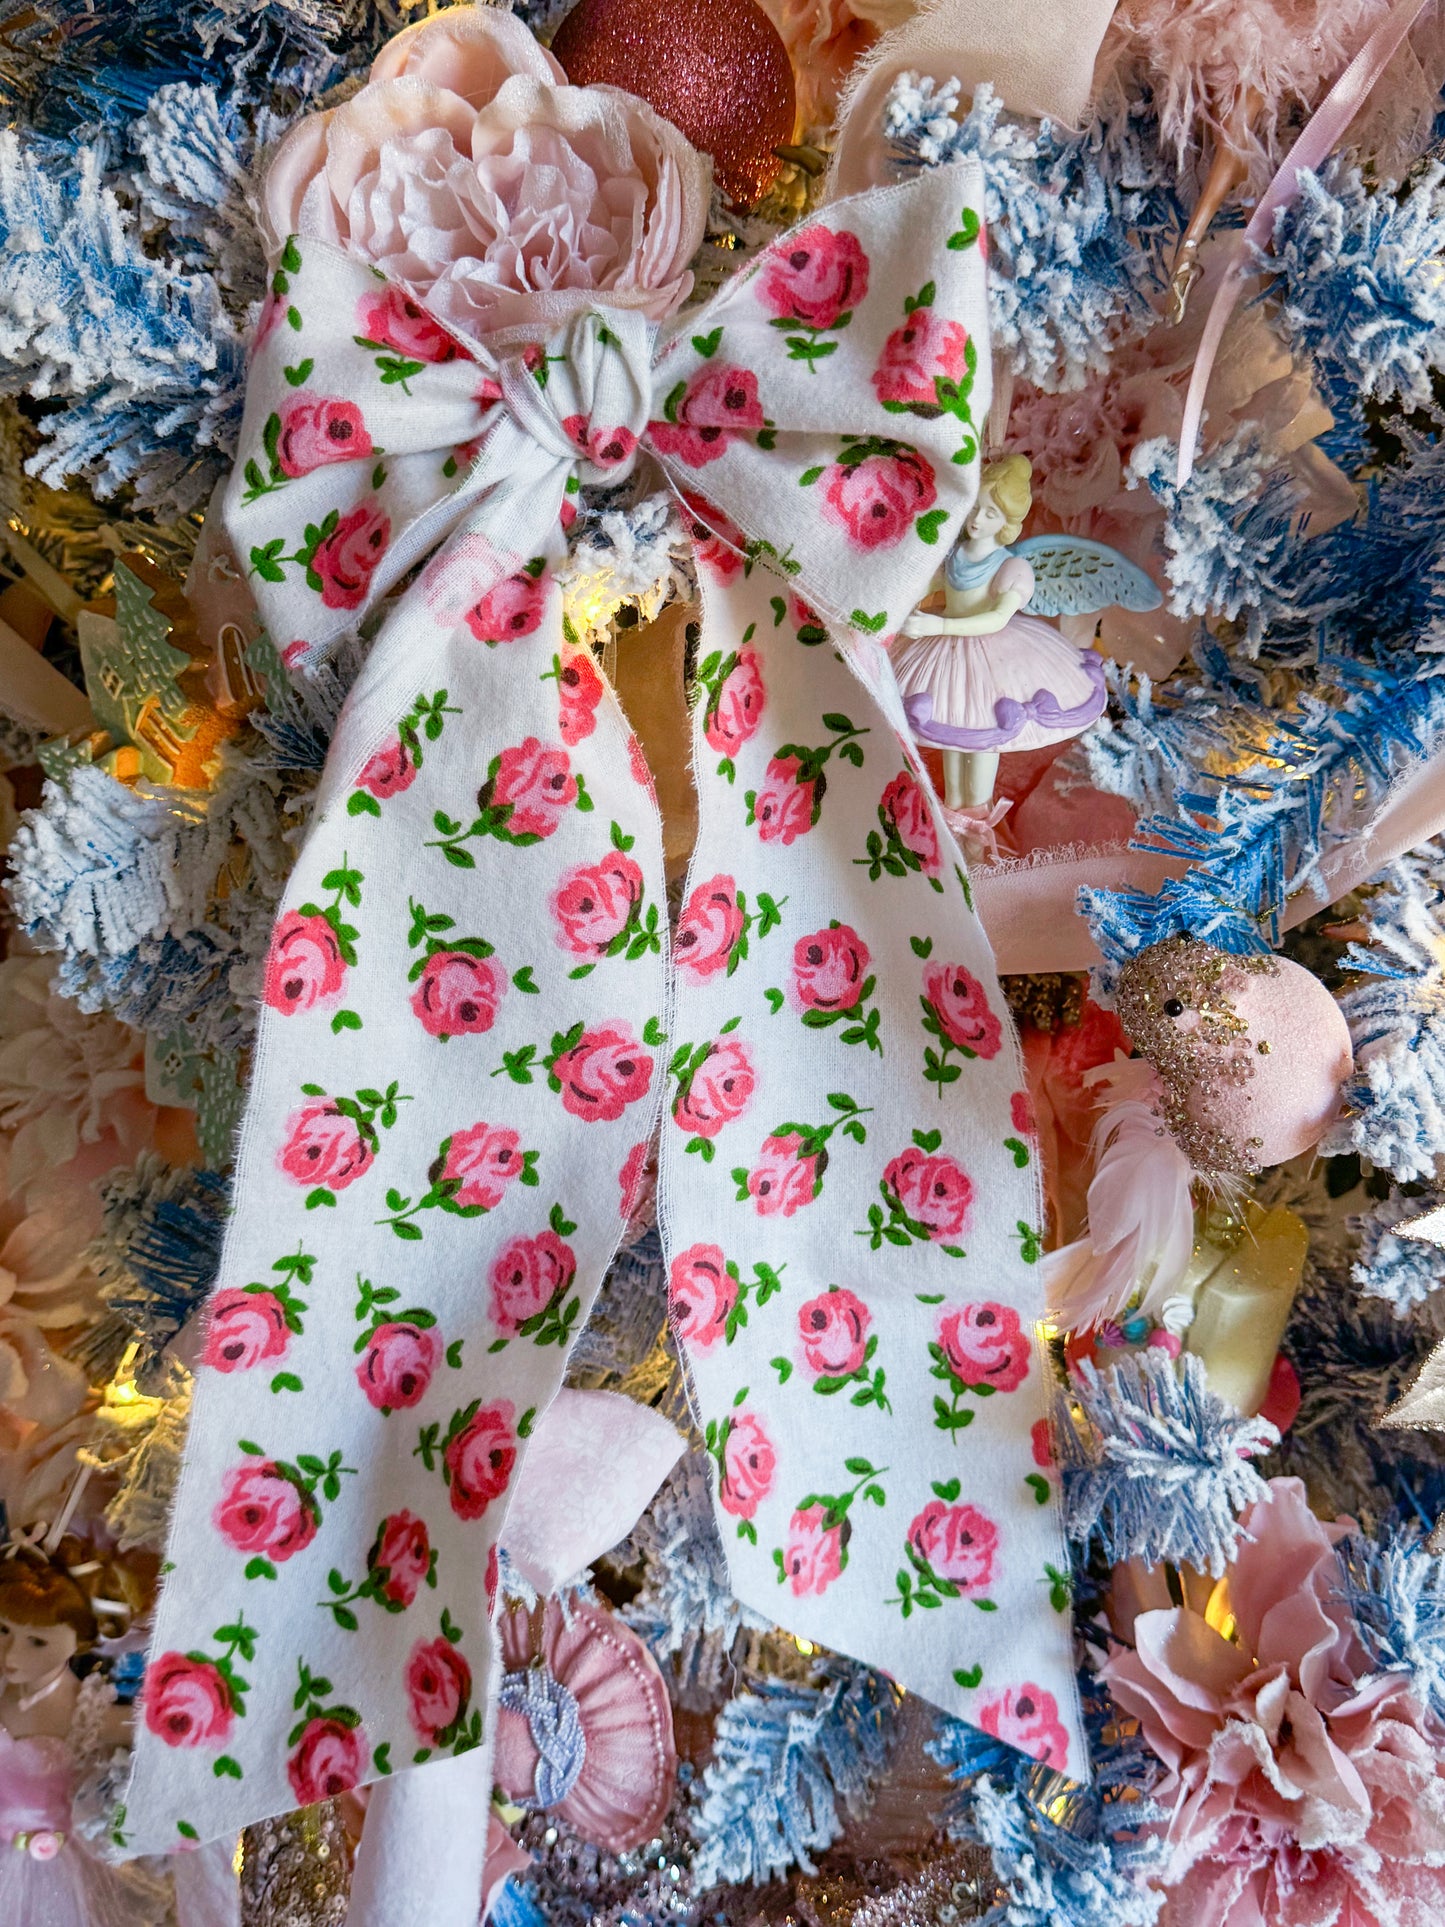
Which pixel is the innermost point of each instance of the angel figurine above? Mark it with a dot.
(982, 677)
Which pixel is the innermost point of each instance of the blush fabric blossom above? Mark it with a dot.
(749, 1463)
(701, 1292)
(318, 430)
(324, 1147)
(783, 1180)
(830, 968)
(718, 1091)
(815, 1552)
(817, 276)
(526, 1276)
(479, 1459)
(244, 1328)
(926, 349)
(958, 1543)
(708, 929)
(985, 1345)
(467, 172)
(875, 500)
(603, 1072)
(187, 1701)
(834, 1330)
(1026, 1717)
(263, 1511)
(457, 994)
(960, 1004)
(304, 966)
(933, 1189)
(397, 1363)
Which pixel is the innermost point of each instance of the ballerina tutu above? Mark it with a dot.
(48, 1878)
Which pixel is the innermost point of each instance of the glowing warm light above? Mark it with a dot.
(804, 1646)
(1218, 1613)
(123, 1398)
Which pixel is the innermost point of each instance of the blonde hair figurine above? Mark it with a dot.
(982, 677)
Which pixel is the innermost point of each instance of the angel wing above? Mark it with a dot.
(1074, 576)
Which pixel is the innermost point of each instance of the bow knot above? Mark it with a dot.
(585, 396)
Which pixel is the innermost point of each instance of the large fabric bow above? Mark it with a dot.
(472, 1025)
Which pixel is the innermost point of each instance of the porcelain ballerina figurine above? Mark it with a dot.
(984, 677)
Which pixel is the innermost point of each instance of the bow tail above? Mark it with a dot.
(849, 1193)
(458, 1067)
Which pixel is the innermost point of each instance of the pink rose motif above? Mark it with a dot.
(187, 1701)
(1021, 1114)
(457, 993)
(262, 1511)
(630, 1177)
(513, 608)
(819, 277)
(579, 690)
(243, 1328)
(1042, 1444)
(749, 1462)
(538, 784)
(344, 561)
(594, 903)
(329, 1759)
(830, 969)
(905, 807)
(604, 1071)
(527, 1275)
(389, 772)
(718, 1091)
(400, 1557)
(304, 966)
(814, 1554)
(480, 1458)
(936, 1192)
(397, 1365)
(700, 1294)
(834, 1331)
(960, 1003)
(603, 447)
(717, 541)
(707, 930)
(784, 808)
(783, 1180)
(637, 763)
(956, 1542)
(720, 402)
(315, 432)
(926, 348)
(1027, 1717)
(486, 1158)
(984, 1345)
(44, 1843)
(393, 320)
(732, 719)
(876, 499)
(439, 1686)
(324, 1147)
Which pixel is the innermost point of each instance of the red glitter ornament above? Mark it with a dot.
(717, 69)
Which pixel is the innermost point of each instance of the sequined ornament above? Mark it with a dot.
(296, 1870)
(717, 69)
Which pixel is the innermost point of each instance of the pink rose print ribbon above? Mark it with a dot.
(474, 1022)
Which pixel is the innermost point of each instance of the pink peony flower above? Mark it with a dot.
(486, 1158)
(466, 172)
(718, 1091)
(343, 562)
(875, 500)
(393, 320)
(579, 691)
(904, 805)
(936, 1192)
(708, 929)
(815, 1553)
(538, 784)
(1302, 1785)
(457, 993)
(958, 1542)
(604, 1071)
(244, 1328)
(329, 1759)
(263, 1511)
(594, 903)
(834, 1331)
(1026, 1717)
(720, 402)
(824, 39)
(438, 1686)
(960, 1004)
(389, 772)
(700, 1294)
(187, 1701)
(316, 431)
(324, 1147)
(733, 718)
(717, 541)
(829, 969)
(400, 1557)
(513, 608)
(304, 966)
(397, 1365)
(526, 1276)
(479, 1459)
(783, 1181)
(785, 808)
(749, 1463)
(985, 1345)
(814, 277)
(926, 348)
